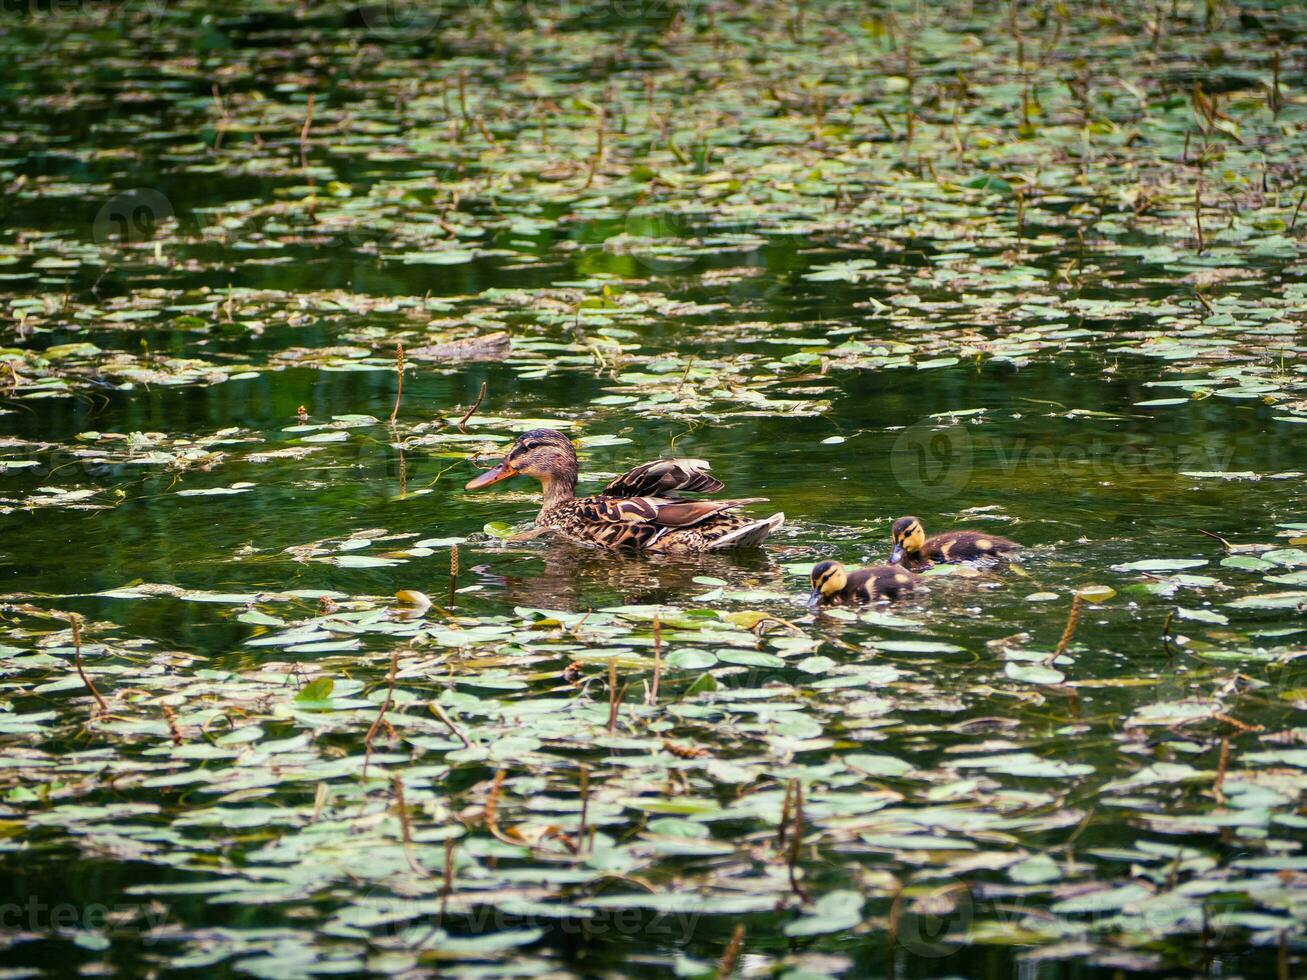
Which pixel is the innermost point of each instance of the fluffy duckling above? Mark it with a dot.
(914, 550)
(831, 583)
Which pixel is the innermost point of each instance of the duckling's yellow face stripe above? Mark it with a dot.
(832, 580)
(912, 539)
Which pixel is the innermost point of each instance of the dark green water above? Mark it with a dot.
(978, 364)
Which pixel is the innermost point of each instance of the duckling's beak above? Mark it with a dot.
(501, 471)
(896, 554)
(814, 598)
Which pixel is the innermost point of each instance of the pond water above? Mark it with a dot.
(911, 260)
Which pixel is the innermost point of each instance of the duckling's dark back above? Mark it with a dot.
(880, 582)
(955, 545)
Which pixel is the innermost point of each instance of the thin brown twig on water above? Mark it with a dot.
(446, 889)
(612, 695)
(1222, 761)
(385, 706)
(726, 965)
(223, 117)
(1239, 726)
(1298, 207)
(1166, 632)
(658, 658)
(304, 132)
(796, 841)
(1224, 544)
(1072, 619)
(462, 95)
(319, 801)
(76, 622)
(399, 387)
(491, 813)
(462, 423)
(405, 834)
(174, 731)
(439, 712)
(453, 572)
(585, 805)
(447, 885)
(783, 825)
(892, 931)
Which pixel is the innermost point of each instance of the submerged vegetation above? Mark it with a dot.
(278, 699)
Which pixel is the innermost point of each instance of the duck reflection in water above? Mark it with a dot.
(576, 578)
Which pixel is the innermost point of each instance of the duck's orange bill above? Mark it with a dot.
(502, 471)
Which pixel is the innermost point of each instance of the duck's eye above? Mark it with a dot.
(530, 445)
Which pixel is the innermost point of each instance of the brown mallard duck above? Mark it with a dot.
(832, 583)
(914, 550)
(639, 511)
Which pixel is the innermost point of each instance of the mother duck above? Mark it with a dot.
(639, 511)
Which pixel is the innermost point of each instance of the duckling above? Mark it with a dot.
(915, 551)
(831, 583)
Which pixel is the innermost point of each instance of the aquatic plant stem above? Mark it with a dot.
(385, 706)
(726, 965)
(491, 814)
(1166, 633)
(658, 659)
(447, 884)
(76, 622)
(795, 842)
(612, 695)
(1298, 207)
(405, 833)
(462, 423)
(1072, 620)
(1221, 763)
(319, 801)
(585, 807)
(174, 731)
(448, 722)
(304, 133)
(1275, 84)
(399, 380)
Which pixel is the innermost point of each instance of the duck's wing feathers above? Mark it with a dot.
(661, 477)
(655, 511)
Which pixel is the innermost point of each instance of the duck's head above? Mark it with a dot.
(908, 536)
(828, 580)
(545, 454)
